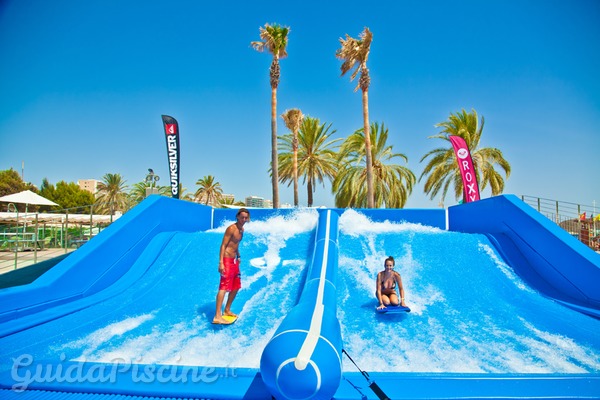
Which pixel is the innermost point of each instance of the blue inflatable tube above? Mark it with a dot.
(303, 358)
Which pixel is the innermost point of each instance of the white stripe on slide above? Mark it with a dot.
(314, 332)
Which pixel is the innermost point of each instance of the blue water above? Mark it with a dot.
(165, 318)
(470, 312)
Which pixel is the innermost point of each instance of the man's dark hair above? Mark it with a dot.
(241, 210)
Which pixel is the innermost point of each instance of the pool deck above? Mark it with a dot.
(28, 265)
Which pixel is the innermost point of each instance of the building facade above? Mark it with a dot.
(91, 185)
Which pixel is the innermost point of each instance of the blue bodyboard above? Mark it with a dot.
(393, 310)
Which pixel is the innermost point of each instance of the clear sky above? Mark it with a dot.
(83, 85)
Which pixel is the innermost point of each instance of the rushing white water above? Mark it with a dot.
(470, 311)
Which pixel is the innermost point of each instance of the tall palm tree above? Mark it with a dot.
(354, 53)
(293, 120)
(274, 39)
(317, 155)
(393, 182)
(111, 194)
(442, 169)
(210, 191)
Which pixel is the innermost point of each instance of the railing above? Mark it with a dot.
(581, 221)
(27, 238)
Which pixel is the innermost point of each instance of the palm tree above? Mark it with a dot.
(274, 40)
(210, 192)
(293, 120)
(393, 182)
(317, 157)
(137, 193)
(230, 201)
(442, 169)
(111, 194)
(183, 194)
(354, 53)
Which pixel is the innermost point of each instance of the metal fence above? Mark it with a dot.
(580, 220)
(27, 238)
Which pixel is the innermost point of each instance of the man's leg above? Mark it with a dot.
(218, 314)
(230, 299)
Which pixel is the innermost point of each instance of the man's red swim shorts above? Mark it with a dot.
(231, 277)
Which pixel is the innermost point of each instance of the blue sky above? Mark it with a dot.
(83, 85)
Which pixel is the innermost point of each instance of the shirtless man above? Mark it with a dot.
(387, 282)
(229, 266)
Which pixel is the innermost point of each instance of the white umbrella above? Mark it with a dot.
(27, 197)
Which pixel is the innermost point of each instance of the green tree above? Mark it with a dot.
(393, 182)
(11, 182)
(70, 196)
(48, 190)
(183, 193)
(209, 192)
(442, 169)
(293, 120)
(137, 193)
(317, 157)
(231, 202)
(355, 53)
(274, 39)
(111, 195)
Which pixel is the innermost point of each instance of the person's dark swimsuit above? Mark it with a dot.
(393, 288)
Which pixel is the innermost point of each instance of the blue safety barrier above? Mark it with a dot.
(303, 359)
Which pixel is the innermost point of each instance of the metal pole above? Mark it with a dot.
(16, 238)
(66, 231)
(35, 239)
(579, 223)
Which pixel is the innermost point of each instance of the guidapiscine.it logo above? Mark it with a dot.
(25, 371)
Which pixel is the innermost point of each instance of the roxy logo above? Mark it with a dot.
(462, 153)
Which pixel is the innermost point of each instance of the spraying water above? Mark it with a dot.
(165, 317)
(470, 311)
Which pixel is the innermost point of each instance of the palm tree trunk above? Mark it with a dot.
(295, 148)
(274, 166)
(370, 191)
(309, 188)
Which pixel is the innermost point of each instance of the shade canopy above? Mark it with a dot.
(58, 219)
(27, 197)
